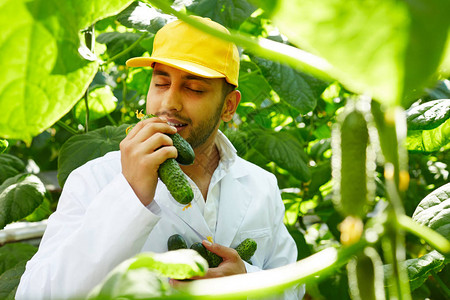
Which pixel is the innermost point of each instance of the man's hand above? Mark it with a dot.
(232, 263)
(142, 151)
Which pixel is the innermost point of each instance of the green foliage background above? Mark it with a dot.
(66, 97)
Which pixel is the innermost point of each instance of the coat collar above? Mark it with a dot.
(235, 198)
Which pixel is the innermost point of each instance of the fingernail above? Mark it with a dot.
(207, 242)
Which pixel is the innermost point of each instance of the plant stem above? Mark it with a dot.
(441, 284)
(125, 51)
(86, 103)
(433, 238)
(275, 280)
(67, 127)
(280, 52)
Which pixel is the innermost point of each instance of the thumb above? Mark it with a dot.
(222, 251)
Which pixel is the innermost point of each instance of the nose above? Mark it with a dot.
(172, 100)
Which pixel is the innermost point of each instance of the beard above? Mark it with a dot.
(200, 133)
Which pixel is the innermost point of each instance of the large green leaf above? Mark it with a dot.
(385, 48)
(429, 140)
(285, 150)
(141, 16)
(10, 279)
(297, 89)
(101, 101)
(3, 145)
(434, 211)
(44, 73)
(12, 254)
(428, 115)
(252, 84)
(143, 276)
(419, 269)
(230, 13)
(80, 149)
(116, 42)
(19, 196)
(10, 166)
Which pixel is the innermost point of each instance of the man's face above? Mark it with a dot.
(191, 103)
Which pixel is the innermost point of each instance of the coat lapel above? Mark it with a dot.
(191, 216)
(235, 200)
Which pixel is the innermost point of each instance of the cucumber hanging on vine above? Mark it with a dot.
(365, 276)
(353, 163)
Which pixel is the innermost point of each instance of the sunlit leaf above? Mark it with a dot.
(116, 42)
(428, 115)
(143, 17)
(101, 101)
(144, 276)
(230, 13)
(376, 47)
(44, 73)
(429, 140)
(434, 211)
(252, 84)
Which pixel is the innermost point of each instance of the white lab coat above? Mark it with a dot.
(100, 222)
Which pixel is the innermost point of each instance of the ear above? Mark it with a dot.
(230, 105)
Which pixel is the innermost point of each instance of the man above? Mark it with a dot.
(115, 207)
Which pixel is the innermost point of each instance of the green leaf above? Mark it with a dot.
(285, 150)
(252, 84)
(440, 91)
(19, 196)
(428, 115)
(177, 264)
(80, 149)
(12, 254)
(45, 75)
(144, 276)
(383, 48)
(429, 140)
(101, 102)
(10, 279)
(10, 166)
(3, 145)
(297, 89)
(229, 13)
(42, 212)
(419, 269)
(117, 42)
(434, 211)
(141, 16)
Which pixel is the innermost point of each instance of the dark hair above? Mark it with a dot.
(227, 88)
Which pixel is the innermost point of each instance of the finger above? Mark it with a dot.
(222, 251)
(146, 128)
(156, 141)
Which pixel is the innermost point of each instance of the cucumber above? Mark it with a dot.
(186, 154)
(176, 182)
(170, 172)
(200, 249)
(176, 242)
(213, 259)
(351, 196)
(246, 249)
(365, 276)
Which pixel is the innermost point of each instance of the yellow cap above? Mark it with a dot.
(187, 48)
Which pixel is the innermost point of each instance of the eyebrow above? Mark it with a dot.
(186, 77)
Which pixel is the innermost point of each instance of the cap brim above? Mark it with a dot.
(187, 66)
